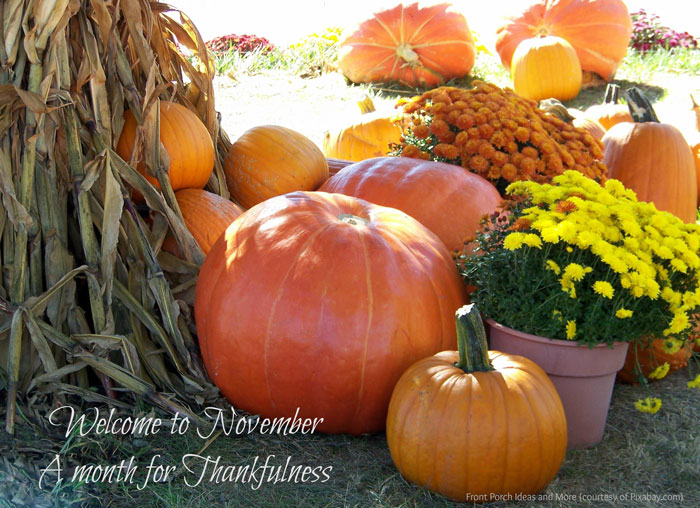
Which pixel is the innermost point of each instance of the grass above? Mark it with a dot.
(641, 454)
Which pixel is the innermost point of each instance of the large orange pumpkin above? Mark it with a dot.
(319, 302)
(445, 198)
(473, 423)
(419, 47)
(544, 67)
(653, 159)
(206, 215)
(269, 160)
(599, 31)
(184, 137)
(642, 358)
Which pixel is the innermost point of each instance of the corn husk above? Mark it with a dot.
(86, 298)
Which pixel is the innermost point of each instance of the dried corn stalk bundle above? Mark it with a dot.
(84, 298)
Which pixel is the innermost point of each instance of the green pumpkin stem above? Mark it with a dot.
(471, 340)
(639, 106)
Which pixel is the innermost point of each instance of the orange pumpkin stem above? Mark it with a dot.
(471, 340)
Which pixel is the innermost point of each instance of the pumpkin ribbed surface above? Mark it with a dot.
(319, 302)
(419, 47)
(502, 431)
(447, 199)
(206, 215)
(609, 114)
(185, 139)
(599, 31)
(369, 137)
(655, 161)
(270, 160)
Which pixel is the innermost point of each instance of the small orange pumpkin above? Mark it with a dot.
(206, 215)
(653, 159)
(474, 423)
(544, 67)
(609, 112)
(184, 137)
(370, 136)
(270, 160)
(574, 117)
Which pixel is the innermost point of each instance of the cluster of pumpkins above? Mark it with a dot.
(329, 285)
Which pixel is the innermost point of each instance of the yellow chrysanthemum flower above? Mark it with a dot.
(575, 272)
(603, 288)
(660, 371)
(695, 383)
(623, 313)
(570, 329)
(532, 240)
(648, 405)
(551, 265)
(679, 323)
(513, 241)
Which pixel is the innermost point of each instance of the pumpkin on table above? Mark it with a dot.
(471, 423)
(447, 199)
(653, 159)
(270, 160)
(319, 302)
(419, 47)
(599, 31)
(186, 140)
(544, 67)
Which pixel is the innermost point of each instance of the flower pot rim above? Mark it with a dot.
(557, 342)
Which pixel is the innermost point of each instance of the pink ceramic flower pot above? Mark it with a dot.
(583, 376)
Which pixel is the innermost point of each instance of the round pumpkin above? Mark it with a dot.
(186, 140)
(575, 117)
(318, 302)
(270, 160)
(609, 113)
(653, 159)
(599, 31)
(447, 199)
(643, 358)
(544, 67)
(416, 46)
(206, 215)
(695, 149)
(473, 423)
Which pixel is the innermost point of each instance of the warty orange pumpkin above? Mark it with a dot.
(447, 199)
(653, 159)
(186, 140)
(473, 423)
(319, 302)
(599, 31)
(416, 46)
(269, 160)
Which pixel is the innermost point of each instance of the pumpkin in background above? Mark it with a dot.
(609, 113)
(544, 67)
(270, 160)
(419, 47)
(319, 302)
(184, 137)
(573, 116)
(369, 136)
(206, 216)
(651, 355)
(447, 199)
(652, 159)
(599, 31)
(696, 110)
(695, 148)
(471, 423)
